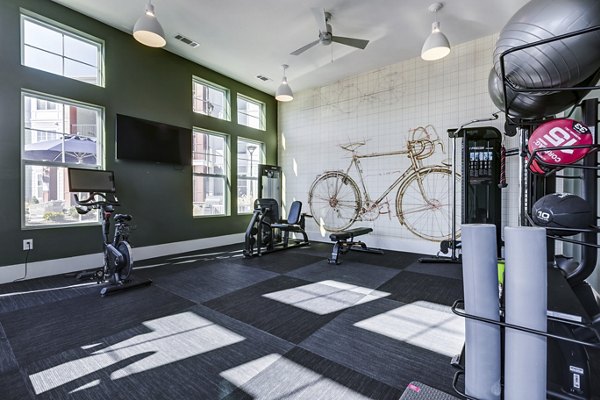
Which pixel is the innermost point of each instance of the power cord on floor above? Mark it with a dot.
(26, 258)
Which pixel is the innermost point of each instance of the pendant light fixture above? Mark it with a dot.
(284, 92)
(147, 29)
(436, 45)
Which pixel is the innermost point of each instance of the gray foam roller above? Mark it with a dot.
(525, 305)
(482, 340)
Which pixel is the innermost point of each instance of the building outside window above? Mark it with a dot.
(249, 155)
(210, 99)
(57, 134)
(250, 112)
(52, 47)
(210, 173)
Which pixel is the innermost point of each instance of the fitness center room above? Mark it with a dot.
(334, 200)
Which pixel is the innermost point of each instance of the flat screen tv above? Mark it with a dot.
(91, 180)
(142, 140)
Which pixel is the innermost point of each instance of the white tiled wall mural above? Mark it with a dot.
(390, 116)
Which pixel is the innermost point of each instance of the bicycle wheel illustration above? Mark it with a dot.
(424, 203)
(334, 201)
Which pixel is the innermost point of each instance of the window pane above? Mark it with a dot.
(210, 152)
(247, 193)
(250, 113)
(210, 100)
(42, 60)
(57, 50)
(79, 50)
(250, 154)
(209, 195)
(81, 72)
(58, 132)
(47, 198)
(39, 36)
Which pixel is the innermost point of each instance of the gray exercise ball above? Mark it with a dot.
(563, 63)
(535, 105)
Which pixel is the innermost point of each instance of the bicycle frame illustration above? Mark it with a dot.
(423, 199)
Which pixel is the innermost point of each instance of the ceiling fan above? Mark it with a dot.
(326, 36)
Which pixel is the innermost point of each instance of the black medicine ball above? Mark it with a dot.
(562, 210)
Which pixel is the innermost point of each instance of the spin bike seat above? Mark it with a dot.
(122, 217)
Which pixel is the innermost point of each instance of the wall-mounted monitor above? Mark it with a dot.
(142, 140)
(91, 180)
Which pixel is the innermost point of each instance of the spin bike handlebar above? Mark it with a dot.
(94, 201)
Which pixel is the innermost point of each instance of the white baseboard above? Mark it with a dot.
(40, 269)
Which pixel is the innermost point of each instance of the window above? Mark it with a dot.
(210, 170)
(51, 47)
(250, 112)
(210, 99)
(57, 134)
(249, 155)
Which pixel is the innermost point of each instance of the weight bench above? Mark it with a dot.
(344, 242)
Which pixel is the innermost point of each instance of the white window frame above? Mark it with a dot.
(64, 30)
(212, 86)
(255, 159)
(101, 155)
(262, 112)
(224, 176)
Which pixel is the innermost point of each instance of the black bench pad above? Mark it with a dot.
(350, 234)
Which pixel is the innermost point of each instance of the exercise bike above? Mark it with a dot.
(118, 259)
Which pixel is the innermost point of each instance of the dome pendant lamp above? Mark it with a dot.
(147, 29)
(284, 92)
(436, 45)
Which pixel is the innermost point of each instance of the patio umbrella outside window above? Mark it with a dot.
(69, 149)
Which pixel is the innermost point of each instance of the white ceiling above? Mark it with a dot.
(244, 38)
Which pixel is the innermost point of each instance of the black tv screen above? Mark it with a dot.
(91, 180)
(142, 140)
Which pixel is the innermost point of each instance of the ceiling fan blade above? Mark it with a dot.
(304, 48)
(319, 14)
(358, 43)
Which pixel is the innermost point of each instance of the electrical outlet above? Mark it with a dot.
(27, 244)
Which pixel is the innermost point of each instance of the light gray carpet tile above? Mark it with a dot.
(350, 272)
(212, 281)
(393, 342)
(178, 356)
(48, 329)
(302, 375)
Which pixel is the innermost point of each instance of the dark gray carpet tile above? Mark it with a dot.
(19, 295)
(318, 249)
(13, 386)
(394, 343)
(8, 361)
(370, 276)
(301, 374)
(178, 356)
(54, 327)
(204, 255)
(444, 270)
(408, 287)
(211, 281)
(280, 262)
(286, 307)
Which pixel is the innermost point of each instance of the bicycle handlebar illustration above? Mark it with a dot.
(423, 200)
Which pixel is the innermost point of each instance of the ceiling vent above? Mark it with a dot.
(263, 78)
(187, 41)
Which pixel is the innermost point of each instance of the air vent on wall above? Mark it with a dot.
(187, 41)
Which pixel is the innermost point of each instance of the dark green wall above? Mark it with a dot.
(143, 82)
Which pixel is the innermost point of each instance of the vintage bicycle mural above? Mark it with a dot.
(423, 197)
